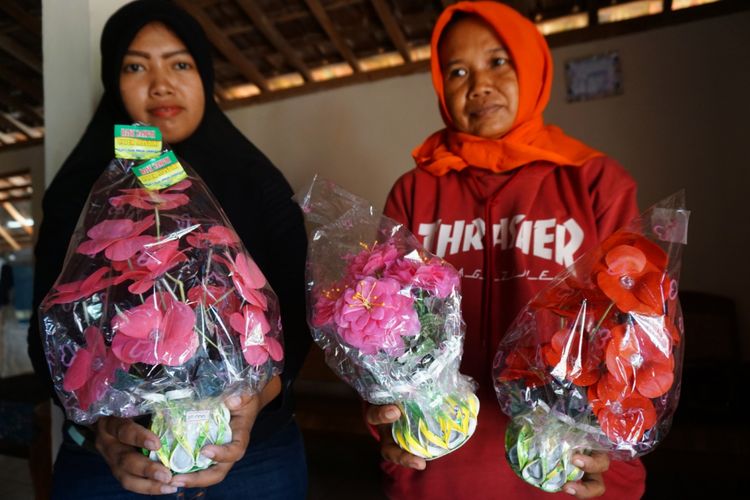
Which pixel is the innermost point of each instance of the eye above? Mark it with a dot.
(183, 65)
(457, 72)
(499, 61)
(132, 68)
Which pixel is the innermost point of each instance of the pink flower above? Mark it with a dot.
(214, 296)
(253, 326)
(70, 292)
(160, 331)
(216, 235)
(92, 369)
(151, 264)
(402, 270)
(119, 238)
(247, 278)
(325, 305)
(165, 199)
(370, 262)
(375, 315)
(438, 278)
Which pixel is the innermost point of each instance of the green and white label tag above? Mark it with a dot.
(161, 172)
(137, 142)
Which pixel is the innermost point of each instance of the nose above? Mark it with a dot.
(161, 84)
(481, 84)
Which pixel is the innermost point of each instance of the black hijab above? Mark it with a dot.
(252, 192)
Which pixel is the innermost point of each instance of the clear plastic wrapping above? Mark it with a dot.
(593, 362)
(159, 309)
(387, 315)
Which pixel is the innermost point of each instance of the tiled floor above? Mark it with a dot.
(15, 479)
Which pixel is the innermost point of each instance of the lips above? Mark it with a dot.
(165, 111)
(484, 110)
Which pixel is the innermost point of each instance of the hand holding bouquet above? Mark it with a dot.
(593, 362)
(387, 315)
(159, 309)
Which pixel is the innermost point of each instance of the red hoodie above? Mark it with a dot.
(542, 217)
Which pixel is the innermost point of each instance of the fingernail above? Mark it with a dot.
(162, 476)
(208, 453)
(391, 413)
(570, 491)
(418, 465)
(152, 445)
(177, 484)
(234, 401)
(166, 490)
(578, 462)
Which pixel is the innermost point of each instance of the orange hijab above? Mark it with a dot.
(529, 139)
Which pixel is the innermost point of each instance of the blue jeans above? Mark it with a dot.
(272, 469)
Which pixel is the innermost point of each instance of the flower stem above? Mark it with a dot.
(158, 223)
(601, 320)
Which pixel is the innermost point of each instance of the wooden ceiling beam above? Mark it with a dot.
(333, 34)
(7, 237)
(393, 29)
(22, 17)
(22, 84)
(265, 26)
(224, 45)
(7, 44)
(8, 123)
(18, 104)
(13, 212)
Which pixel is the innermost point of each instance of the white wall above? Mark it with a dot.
(680, 123)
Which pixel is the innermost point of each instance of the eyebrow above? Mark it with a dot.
(490, 51)
(165, 55)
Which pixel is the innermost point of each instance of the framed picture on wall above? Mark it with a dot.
(593, 77)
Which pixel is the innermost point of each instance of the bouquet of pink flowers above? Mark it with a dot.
(387, 315)
(159, 309)
(593, 362)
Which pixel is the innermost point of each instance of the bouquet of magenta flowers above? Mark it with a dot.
(159, 309)
(593, 362)
(387, 315)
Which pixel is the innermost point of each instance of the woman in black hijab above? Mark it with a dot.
(156, 68)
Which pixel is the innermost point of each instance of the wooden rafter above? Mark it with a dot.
(7, 237)
(393, 29)
(8, 189)
(19, 104)
(21, 83)
(224, 45)
(22, 17)
(262, 23)
(8, 123)
(338, 41)
(13, 212)
(22, 54)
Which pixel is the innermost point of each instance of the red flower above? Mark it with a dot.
(216, 235)
(633, 274)
(253, 326)
(247, 278)
(520, 364)
(165, 199)
(119, 238)
(92, 369)
(160, 331)
(71, 292)
(571, 356)
(624, 416)
(642, 359)
(151, 264)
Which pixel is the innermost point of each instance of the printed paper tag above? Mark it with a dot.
(160, 172)
(197, 416)
(134, 142)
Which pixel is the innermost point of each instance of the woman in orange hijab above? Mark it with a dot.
(510, 202)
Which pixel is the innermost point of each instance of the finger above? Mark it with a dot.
(203, 478)
(392, 452)
(591, 486)
(128, 432)
(596, 463)
(386, 414)
(147, 486)
(237, 401)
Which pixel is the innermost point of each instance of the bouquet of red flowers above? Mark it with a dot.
(387, 314)
(593, 362)
(159, 309)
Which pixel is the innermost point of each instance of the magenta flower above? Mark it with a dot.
(216, 235)
(402, 270)
(151, 264)
(92, 369)
(375, 316)
(439, 279)
(325, 304)
(119, 238)
(160, 331)
(247, 278)
(166, 199)
(76, 290)
(372, 261)
(253, 326)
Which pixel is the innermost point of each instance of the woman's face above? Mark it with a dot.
(160, 84)
(480, 84)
